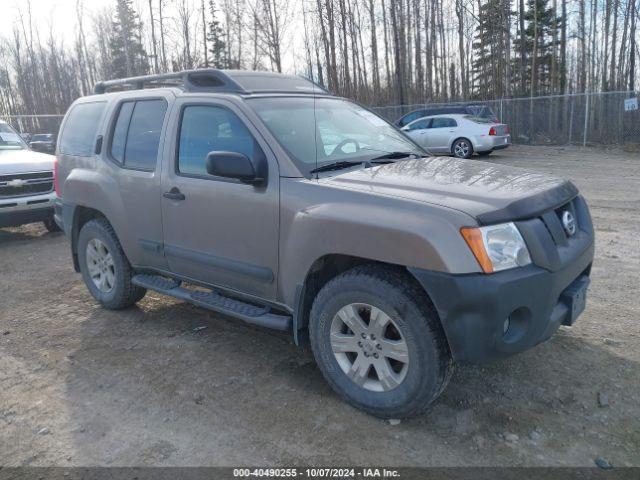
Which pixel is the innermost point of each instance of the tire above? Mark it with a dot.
(415, 383)
(485, 154)
(51, 225)
(97, 236)
(462, 148)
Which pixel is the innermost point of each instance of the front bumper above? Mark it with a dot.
(537, 299)
(473, 308)
(22, 210)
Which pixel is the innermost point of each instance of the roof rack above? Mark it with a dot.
(213, 80)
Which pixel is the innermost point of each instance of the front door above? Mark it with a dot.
(217, 230)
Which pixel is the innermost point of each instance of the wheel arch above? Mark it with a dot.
(81, 215)
(322, 271)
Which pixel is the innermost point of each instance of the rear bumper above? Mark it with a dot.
(487, 143)
(473, 308)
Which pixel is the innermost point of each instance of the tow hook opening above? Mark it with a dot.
(515, 325)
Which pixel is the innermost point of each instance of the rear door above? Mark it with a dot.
(218, 230)
(441, 132)
(133, 149)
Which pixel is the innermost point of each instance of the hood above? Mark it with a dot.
(24, 161)
(489, 192)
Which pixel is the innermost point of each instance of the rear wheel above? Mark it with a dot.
(105, 269)
(462, 148)
(378, 342)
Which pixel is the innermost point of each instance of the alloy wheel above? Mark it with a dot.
(461, 148)
(101, 266)
(369, 347)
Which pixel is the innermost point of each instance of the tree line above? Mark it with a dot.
(379, 52)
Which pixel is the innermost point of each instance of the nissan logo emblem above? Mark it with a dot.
(568, 223)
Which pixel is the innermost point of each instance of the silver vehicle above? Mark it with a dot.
(26, 182)
(300, 211)
(459, 135)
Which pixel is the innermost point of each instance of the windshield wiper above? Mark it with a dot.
(336, 166)
(392, 156)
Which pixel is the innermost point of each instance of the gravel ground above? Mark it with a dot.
(83, 386)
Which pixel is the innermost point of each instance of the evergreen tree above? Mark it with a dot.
(215, 38)
(128, 56)
(538, 47)
(491, 47)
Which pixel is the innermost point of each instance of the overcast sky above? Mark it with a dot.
(61, 15)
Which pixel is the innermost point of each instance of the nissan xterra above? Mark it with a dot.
(264, 197)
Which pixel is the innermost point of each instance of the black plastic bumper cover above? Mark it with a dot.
(473, 308)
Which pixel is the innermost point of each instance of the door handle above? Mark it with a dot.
(174, 194)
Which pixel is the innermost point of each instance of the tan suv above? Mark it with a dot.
(297, 210)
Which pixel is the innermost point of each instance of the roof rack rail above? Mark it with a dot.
(206, 79)
(213, 80)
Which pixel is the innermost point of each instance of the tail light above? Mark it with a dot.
(506, 129)
(492, 131)
(56, 182)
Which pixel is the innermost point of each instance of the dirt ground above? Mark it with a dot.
(83, 386)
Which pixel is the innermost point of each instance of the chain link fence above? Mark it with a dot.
(29, 125)
(572, 119)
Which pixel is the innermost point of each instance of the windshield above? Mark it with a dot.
(9, 139)
(343, 131)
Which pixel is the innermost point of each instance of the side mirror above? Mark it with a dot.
(232, 165)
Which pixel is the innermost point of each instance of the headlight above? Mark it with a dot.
(497, 247)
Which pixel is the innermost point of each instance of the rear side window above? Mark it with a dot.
(136, 135)
(443, 123)
(206, 129)
(80, 129)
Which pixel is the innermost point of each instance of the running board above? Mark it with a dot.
(257, 315)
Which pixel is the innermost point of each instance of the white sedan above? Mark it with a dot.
(458, 135)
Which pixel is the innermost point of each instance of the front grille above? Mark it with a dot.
(25, 184)
(553, 221)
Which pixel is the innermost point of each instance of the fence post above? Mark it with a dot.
(586, 120)
(571, 121)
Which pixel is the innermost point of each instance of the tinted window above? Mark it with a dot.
(443, 122)
(120, 131)
(207, 129)
(80, 129)
(136, 135)
(420, 125)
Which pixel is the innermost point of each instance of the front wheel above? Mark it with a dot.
(51, 225)
(104, 266)
(462, 148)
(379, 343)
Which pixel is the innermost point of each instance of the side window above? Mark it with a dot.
(205, 129)
(443, 123)
(136, 135)
(80, 129)
(420, 125)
